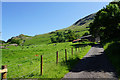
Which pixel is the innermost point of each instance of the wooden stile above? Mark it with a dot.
(4, 72)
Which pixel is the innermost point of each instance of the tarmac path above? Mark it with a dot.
(94, 66)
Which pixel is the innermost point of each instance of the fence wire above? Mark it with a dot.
(30, 72)
(61, 58)
(25, 75)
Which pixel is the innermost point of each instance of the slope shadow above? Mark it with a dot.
(70, 63)
(95, 63)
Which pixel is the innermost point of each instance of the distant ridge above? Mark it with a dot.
(84, 20)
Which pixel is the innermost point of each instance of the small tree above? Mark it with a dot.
(53, 40)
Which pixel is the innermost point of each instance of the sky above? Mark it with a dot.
(34, 18)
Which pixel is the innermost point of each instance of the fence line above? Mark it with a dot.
(67, 56)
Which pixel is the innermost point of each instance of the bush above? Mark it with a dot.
(53, 40)
(66, 36)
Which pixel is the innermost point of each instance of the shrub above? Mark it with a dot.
(65, 36)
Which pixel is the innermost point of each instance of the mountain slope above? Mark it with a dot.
(81, 24)
(79, 27)
(84, 20)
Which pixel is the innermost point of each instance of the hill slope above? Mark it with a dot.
(84, 20)
(79, 27)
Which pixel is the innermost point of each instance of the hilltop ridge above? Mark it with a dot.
(84, 20)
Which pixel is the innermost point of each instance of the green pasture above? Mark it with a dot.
(24, 61)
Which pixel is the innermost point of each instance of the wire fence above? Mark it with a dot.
(32, 67)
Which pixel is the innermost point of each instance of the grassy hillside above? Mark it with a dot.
(38, 39)
(79, 29)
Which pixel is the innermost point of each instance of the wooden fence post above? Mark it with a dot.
(72, 51)
(79, 49)
(41, 65)
(4, 74)
(66, 55)
(76, 50)
(57, 57)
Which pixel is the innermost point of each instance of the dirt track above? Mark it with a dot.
(94, 66)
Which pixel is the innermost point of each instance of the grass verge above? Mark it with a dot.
(112, 50)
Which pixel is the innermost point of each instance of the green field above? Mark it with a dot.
(22, 61)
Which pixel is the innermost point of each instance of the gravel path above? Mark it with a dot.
(94, 66)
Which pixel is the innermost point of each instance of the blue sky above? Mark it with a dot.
(33, 18)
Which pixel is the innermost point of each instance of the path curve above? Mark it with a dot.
(94, 65)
